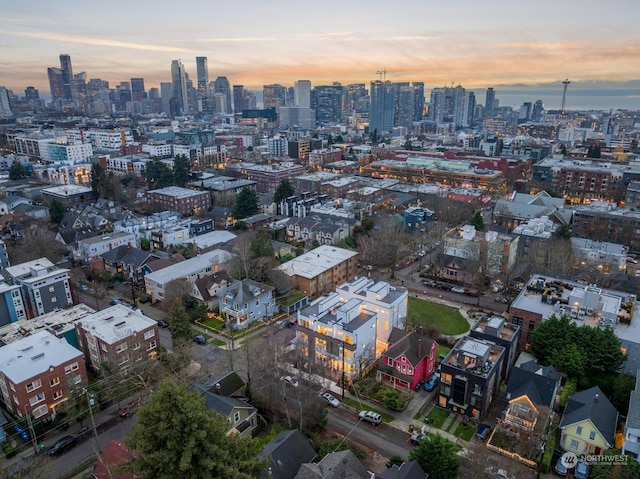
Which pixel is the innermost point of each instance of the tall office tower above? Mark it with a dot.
(418, 100)
(250, 102)
(67, 76)
(525, 111)
(290, 97)
(180, 95)
(471, 108)
(302, 93)
(238, 99)
(404, 108)
(5, 107)
(327, 102)
(166, 93)
(192, 94)
(79, 90)
(202, 73)
(56, 84)
(536, 114)
(274, 96)
(450, 105)
(353, 93)
(31, 93)
(222, 86)
(382, 106)
(138, 92)
(490, 103)
(123, 95)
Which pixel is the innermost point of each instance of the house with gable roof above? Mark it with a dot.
(631, 444)
(246, 301)
(589, 422)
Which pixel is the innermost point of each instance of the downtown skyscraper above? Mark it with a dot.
(382, 106)
(202, 73)
(60, 80)
(180, 100)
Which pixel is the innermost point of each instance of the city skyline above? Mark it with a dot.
(474, 44)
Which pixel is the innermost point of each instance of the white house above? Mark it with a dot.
(631, 444)
(90, 249)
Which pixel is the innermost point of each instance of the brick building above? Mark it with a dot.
(180, 200)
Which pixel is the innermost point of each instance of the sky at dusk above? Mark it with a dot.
(256, 42)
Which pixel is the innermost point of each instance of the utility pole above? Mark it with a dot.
(93, 423)
(32, 432)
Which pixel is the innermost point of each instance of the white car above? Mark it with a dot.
(290, 380)
(331, 399)
(371, 416)
(457, 289)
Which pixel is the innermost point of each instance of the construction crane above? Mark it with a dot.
(383, 75)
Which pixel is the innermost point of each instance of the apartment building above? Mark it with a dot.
(180, 200)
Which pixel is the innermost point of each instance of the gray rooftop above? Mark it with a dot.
(116, 323)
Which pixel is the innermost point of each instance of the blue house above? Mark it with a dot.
(244, 302)
(416, 217)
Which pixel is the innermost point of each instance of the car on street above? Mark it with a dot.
(371, 416)
(21, 432)
(289, 380)
(430, 283)
(331, 399)
(501, 299)
(445, 286)
(483, 431)
(62, 445)
(582, 470)
(84, 287)
(418, 437)
(163, 324)
(432, 382)
(457, 289)
(199, 339)
(560, 467)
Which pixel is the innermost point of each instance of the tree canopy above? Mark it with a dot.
(284, 190)
(246, 203)
(477, 221)
(181, 332)
(181, 170)
(17, 171)
(98, 177)
(176, 436)
(438, 457)
(56, 211)
(582, 351)
(158, 174)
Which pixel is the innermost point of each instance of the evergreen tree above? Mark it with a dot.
(563, 150)
(284, 190)
(157, 174)
(17, 171)
(261, 246)
(181, 170)
(56, 211)
(246, 203)
(176, 437)
(98, 178)
(181, 332)
(438, 456)
(477, 221)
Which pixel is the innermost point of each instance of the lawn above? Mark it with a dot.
(217, 342)
(447, 319)
(438, 416)
(442, 349)
(356, 405)
(464, 431)
(214, 324)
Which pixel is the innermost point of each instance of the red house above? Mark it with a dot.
(410, 359)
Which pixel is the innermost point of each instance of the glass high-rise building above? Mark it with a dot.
(138, 92)
(274, 96)
(302, 93)
(61, 80)
(490, 102)
(179, 83)
(382, 106)
(202, 72)
(222, 86)
(238, 99)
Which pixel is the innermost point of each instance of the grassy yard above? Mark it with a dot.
(213, 324)
(438, 416)
(217, 342)
(356, 405)
(442, 350)
(447, 319)
(464, 432)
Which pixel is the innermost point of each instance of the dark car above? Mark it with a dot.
(162, 323)
(431, 384)
(62, 445)
(430, 283)
(446, 287)
(199, 339)
(21, 432)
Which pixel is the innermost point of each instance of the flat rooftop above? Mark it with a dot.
(24, 269)
(315, 262)
(113, 324)
(177, 192)
(67, 190)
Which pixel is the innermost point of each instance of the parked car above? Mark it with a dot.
(199, 339)
(289, 380)
(471, 292)
(371, 416)
(582, 470)
(84, 287)
(21, 432)
(501, 299)
(483, 431)
(445, 286)
(62, 445)
(458, 289)
(331, 399)
(560, 467)
(430, 283)
(162, 323)
(432, 382)
(418, 437)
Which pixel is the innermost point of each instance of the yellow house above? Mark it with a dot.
(589, 422)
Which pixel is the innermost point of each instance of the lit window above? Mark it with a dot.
(54, 382)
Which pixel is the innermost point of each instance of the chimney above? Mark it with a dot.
(218, 388)
(596, 398)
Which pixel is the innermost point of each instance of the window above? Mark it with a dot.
(54, 382)
(574, 444)
(592, 435)
(33, 400)
(124, 359)
(57, 395)
(70, 367)
(54, 299)
(136, 345)
(236, 417)
(149, 334)
(442, 401)
(52, 289)
(122, 347)
(77, 379)
(152, 345)
(579, 430)
(34, 385)
(40, 411)
(445, 378)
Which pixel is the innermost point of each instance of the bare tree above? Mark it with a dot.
(176, 290)
(384, 246)
(36, 241)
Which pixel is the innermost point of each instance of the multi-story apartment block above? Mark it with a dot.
(68, 195)
(189, 270)
(268, 177)
(605, 222)
(470, 377)
(321, 270)
(351, 326)
(339, 187)
(158, 150)
(63, 174)
(126, 165)
(607, 257)
(44, 286)
(118, 337)
(32, 144)
(38, 374)
(89, 250)
(56, 153)
(504, 334)
(244, 302)
(102, 140)
(223, 189)
(320, 158)
(312, 182)
(142, 227)
(181, 200)
(12, 307)
(543, 297)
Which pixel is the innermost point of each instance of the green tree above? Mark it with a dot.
(98, 177)
(246, 203)
(623, 384)
(56, 211)
(176, 437)
(181, 332)
(157, 174)
(553, 334)
(181, 170)
(564, 232)
(17, 171)
(261, 246)
(477, 221)
(283, 191)
(438, 457)
(629, 469)
(145, 244)
(570, 360)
